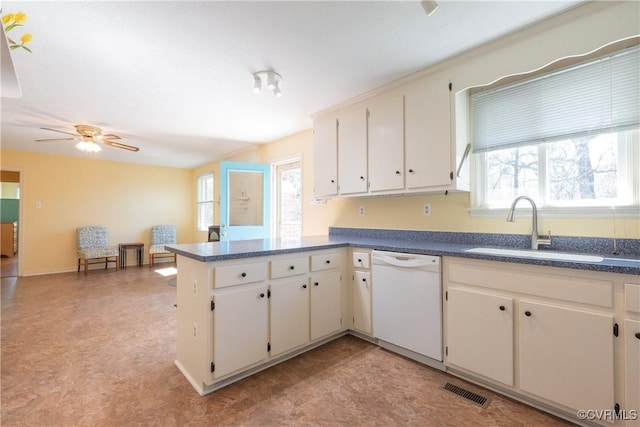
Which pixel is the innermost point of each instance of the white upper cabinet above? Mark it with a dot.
(325, 155)
(386, 142)
(352, 150)
(428, 133)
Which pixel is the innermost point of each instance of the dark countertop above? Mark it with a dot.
(238, 249)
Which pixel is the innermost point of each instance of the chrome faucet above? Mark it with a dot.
(535, 240)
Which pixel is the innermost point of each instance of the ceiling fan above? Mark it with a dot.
(88, 138)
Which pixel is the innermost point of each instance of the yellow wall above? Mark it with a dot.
(73, 192)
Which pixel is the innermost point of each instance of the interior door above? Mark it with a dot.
(245, 203)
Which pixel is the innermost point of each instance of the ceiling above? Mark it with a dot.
(175, 77)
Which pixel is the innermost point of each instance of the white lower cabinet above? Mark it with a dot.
(543, 334)
(326, 304)
(480, 336)
(566, 355)
(632, 369)
(289, 315)
(362, 301)
(240, 328)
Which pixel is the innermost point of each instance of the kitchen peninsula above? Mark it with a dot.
(244, 306)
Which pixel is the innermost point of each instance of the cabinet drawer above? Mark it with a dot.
(361, 260)
(632, 298)
(289, 267)
(325, 261)
(239, 274)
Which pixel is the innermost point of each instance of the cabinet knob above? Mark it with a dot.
(292, 267)
(333, 181)
(364, 279)
(410, 170)
(527, 313)
(359, 260)
(316, 284)
(327, 261)
(502, 308)
(638, 335)
(362, 178)
(397, 172)
(243, 275)
(262, 295)
(304, 286)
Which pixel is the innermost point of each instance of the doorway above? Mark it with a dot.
(9, 221)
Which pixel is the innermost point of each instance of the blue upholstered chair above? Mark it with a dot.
(161, 235)
(93, 247)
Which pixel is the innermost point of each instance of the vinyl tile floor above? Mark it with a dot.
(99, 350)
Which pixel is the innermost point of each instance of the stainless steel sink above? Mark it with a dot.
(523, 253)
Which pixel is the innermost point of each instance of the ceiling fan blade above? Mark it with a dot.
(56, 139)
(111, 136)
(61, 131)
(119, 145)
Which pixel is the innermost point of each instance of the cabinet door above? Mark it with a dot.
(326, 304)
(352, 150)
(632, 368)
(240, 329)
(480, 333)
(362, 301)
(428, 133)
(289, 315)
(325, 156)
(566, 355)
(386, 143)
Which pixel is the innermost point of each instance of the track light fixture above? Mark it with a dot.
(429, 6)
(273, 81)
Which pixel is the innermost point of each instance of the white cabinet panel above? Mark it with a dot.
(239, 274)
(632, 369)
(326, 304)
(386, 142)
(325, 261)
(362, 301)
(289, 267)
(352, 150)
(361, 259)
(289, 318)
(325, 156)
(566, 355)
(240, 329)
(428, 133)
(480, 333)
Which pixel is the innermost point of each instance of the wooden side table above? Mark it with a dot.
(123, 247)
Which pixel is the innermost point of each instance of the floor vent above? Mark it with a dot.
(469, 395)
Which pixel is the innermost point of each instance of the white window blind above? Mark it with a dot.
(600, 95)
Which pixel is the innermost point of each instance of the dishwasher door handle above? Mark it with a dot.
(402, 261)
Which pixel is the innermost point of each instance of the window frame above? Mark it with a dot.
(201, 202)
(293, 162)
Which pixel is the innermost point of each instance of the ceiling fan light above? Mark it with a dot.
(88, 147)
(271, 80)
(276, 91)
(429, 6)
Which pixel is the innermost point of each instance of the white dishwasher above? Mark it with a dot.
(407, 305)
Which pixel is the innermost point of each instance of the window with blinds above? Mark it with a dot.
(565, 138)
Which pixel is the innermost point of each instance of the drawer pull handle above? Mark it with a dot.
(502, 308)
(397, 172)
(262, 295)
(304, 286)
(359, 260)
(243, 275)
(527, 313)
(316, 284)
(328, 262)
(292, 267)
(410, 170)
(638, 335)
(364, 279)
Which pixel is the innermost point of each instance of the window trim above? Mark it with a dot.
(275, 191)
(200, 202)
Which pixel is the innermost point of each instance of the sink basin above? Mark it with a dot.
(536, 254)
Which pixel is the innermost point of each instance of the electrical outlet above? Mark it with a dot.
(361, 210)
(195, 331)
(427, 209)
(195, 287)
